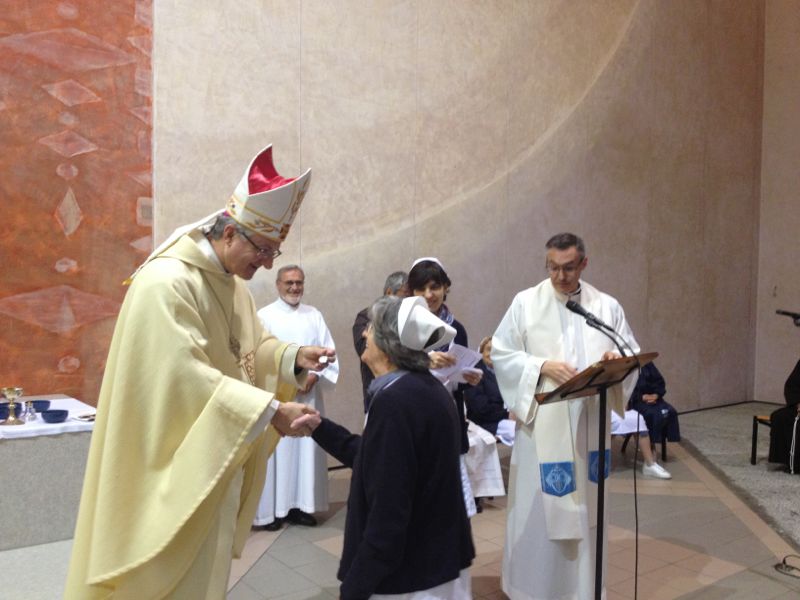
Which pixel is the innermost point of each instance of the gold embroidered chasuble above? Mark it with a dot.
(174, 428)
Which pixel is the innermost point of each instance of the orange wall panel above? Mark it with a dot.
(75, 184)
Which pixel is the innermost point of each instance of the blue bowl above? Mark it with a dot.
(41, 405)
(55, 416)
(4, 411)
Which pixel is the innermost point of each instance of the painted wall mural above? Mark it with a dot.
(75, 184)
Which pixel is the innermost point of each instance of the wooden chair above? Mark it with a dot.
(757, 420)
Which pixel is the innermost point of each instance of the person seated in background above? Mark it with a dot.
(634, 423)
(784, 425)
(485, 411)
(648, 400)
(484, 403)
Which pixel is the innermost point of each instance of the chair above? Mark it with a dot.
(758, 420)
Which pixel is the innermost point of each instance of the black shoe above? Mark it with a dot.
(478, 505)
(274, 526)
(298, 517)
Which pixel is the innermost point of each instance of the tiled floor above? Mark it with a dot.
(697, 541)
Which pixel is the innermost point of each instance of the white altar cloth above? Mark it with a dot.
(39, 427)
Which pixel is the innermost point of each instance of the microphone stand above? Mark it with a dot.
(592, 321)
(602, 327)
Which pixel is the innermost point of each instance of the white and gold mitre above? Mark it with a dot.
(264, 202)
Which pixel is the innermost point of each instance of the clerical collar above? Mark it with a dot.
(576, 295)
(208, 251)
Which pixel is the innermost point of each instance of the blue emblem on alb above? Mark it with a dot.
(558, 478)
(594, 458)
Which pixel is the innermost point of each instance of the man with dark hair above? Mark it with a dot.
(395, 285)
(539, 345)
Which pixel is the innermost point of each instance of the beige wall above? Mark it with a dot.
(473, 131)
(779, 245)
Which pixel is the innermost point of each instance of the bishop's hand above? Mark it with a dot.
(314, 358)
(288, 413)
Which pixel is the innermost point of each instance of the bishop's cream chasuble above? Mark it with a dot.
(175, 467)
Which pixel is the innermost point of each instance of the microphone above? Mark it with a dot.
(597, 323)
(795, 316)
(579, 310)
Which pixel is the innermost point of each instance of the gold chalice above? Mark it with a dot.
(12, 393)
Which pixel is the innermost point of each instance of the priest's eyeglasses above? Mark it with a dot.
(568, 269)
(261, 252)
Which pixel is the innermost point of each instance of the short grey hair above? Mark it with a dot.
(395, 281)
(283, 270)
(565, 241)
(216, 230)
(385, 332)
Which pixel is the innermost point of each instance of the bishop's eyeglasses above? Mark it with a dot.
(261, 252)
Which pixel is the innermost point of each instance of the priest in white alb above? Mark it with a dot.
(190, 406)
(297, 473)
(551, 523)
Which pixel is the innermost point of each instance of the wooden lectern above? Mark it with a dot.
(595, 380)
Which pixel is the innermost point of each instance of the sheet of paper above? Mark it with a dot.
(466, 358)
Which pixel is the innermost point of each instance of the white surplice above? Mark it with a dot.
(550, 541)
(297, 473)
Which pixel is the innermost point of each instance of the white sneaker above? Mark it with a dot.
(655, 471)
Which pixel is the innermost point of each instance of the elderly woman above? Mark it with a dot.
(407, 530)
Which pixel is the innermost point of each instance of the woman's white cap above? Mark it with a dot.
(419, 328)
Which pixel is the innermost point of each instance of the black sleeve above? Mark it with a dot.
(337, 441)
(650, 382)
(484, 402)
(359, 327)
(461, 334)
(656, 383)
(389, 472)
(791, 391)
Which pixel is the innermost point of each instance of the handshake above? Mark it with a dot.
(294, 419)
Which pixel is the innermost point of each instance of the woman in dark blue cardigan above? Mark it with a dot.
(407, 528)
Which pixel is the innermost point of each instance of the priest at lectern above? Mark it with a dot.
(540, 344)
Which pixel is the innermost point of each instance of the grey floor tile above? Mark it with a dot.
(287, 539)
(316, 593)
(322, 571)
(39, 572)
(301, 554)
(747, 550)
(767, 569)
(272, 578)
(242, 591)
(746, 585)
(721, 532)
(323, 531)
